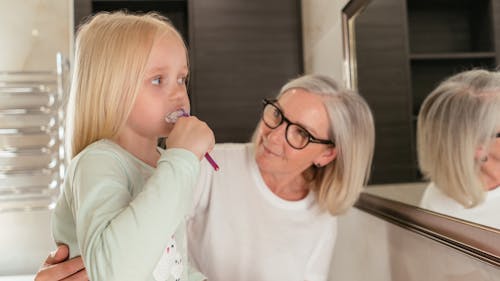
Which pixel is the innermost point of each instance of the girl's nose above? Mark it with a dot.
(179, 92)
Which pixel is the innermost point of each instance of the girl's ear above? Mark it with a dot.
(326, 157)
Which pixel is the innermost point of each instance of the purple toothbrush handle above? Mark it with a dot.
(207, 156)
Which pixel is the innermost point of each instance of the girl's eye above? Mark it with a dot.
(182, 81)
(156, 81)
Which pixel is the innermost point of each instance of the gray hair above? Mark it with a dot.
(338, 184)
(460, 116)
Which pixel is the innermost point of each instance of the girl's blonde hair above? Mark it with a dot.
(337, 185)
(112, 50)
(459, 117)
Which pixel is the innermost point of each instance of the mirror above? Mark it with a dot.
(403, 49)
(396, 52)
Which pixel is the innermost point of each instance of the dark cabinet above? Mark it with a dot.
(404, 48)
(447, 37)
(240, 52)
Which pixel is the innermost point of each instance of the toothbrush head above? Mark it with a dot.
(172, 117)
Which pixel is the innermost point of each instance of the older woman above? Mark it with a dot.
(269, 213)
(459, 147)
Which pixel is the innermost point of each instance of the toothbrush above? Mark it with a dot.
(172, 118)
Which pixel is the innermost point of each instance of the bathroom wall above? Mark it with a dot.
(322, 37)
(31, 32)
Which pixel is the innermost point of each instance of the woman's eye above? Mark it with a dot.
(156, 81)
(276, 113)
(303, 133)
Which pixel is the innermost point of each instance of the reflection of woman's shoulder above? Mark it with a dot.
(435, 200)
(485, 213)
(493, 194)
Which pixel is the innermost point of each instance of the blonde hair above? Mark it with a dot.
(337, 185)
(455, 120)
(112, 50)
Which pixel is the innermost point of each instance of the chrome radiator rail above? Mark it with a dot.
(32, 158)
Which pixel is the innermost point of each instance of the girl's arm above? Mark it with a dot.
(122, 238)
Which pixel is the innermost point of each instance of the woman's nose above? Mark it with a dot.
(277, 135)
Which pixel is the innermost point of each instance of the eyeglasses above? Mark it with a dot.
(296, 136)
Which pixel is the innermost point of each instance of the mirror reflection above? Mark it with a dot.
(404, 49)
(458, 147)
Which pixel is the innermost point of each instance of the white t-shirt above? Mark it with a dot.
(487, 213)
(242, 231)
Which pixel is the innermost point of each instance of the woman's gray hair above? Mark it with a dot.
(338, 184)
(459, 117)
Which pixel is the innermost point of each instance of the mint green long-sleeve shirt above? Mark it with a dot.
(121, 214)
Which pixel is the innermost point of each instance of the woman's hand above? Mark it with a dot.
(57, 267)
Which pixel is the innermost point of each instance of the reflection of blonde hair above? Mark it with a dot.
(460, 116)
(112, 50)
(338, 184)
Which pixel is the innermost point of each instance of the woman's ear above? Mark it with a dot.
(481, 155)
(326, 157)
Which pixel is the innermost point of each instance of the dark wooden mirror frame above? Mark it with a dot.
(478, 241)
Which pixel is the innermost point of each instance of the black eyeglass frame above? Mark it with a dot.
(310, 137)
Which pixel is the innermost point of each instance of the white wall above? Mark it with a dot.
(322, 37)
(31, 32)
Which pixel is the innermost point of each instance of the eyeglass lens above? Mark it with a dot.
(296, 136)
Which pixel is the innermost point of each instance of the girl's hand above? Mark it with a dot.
(192, 134)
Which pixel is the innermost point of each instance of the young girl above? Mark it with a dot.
(124, 199)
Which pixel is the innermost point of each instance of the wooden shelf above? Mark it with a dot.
(452, 56)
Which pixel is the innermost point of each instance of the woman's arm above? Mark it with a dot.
(57, 267)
